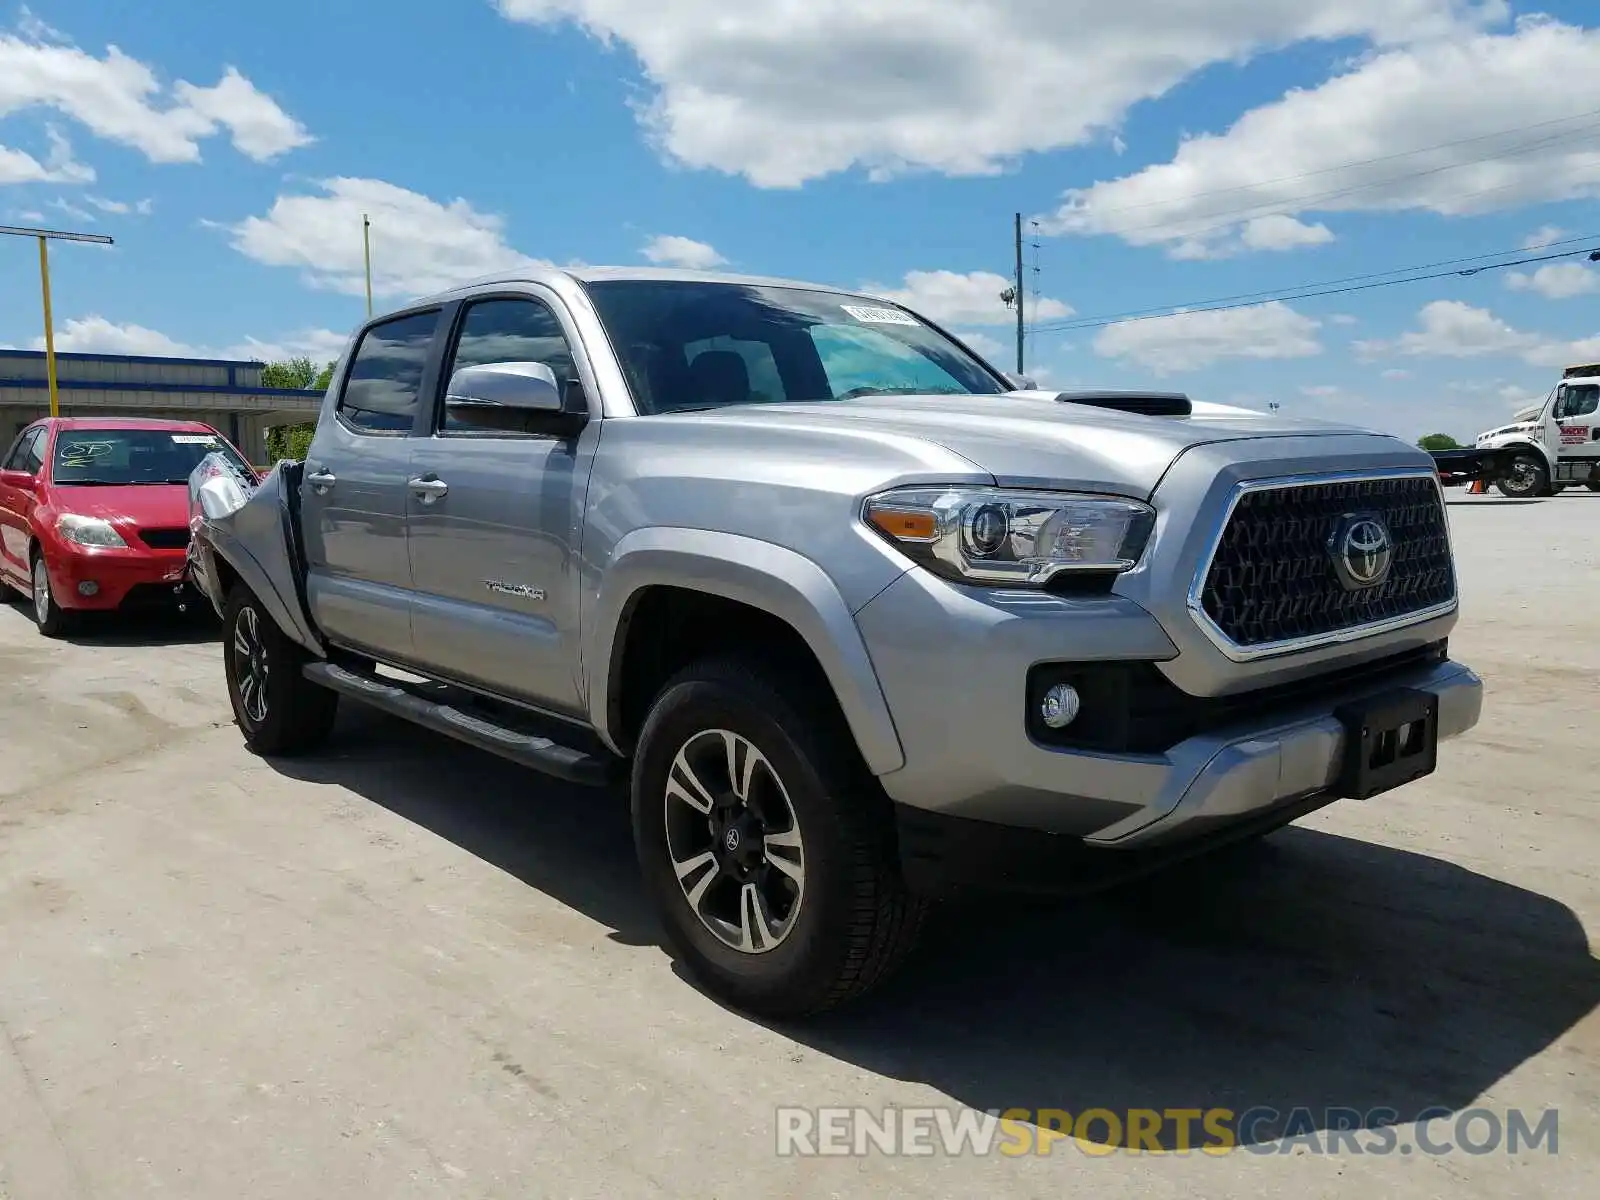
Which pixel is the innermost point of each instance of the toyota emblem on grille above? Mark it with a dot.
(1362, 550)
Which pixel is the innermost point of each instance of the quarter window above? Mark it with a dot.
(385, 377)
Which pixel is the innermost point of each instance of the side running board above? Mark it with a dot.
(527, 749)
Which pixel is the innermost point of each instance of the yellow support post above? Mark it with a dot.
(44, 236)
(49, 327)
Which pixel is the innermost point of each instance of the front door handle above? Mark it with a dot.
(428, 489)
(321, 480)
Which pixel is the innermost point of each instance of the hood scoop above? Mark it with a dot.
(1149, 404)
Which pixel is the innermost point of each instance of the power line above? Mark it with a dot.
(1288, 292)
(1300, 294)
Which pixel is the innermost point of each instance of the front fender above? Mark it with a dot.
(765, 576)
(257, 542)
(1522, 443)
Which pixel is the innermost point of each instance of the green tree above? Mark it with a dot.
(1438, 441)
(299, 374)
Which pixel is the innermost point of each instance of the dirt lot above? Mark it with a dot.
(402, 969)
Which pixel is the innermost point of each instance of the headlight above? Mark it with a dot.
(88, 531)
(1001, 536)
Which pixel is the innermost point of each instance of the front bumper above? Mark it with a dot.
(952, 663)
(114, 578)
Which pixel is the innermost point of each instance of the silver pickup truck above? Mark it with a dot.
(858, 620)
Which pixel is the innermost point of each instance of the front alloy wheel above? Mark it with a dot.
(766, 845)
(278, 709)
(250, 659)
(51, 618)
(735, 841)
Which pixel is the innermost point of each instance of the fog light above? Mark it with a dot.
(1060, 705)
(88, 588)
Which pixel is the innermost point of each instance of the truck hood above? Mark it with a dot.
(1032, 439)
(145, 505)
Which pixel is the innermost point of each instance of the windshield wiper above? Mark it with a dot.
(853, 393)
(88, 483)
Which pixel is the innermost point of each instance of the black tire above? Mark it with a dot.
(53, 620)
(1528, 477)
(279, 711)
(854, 921)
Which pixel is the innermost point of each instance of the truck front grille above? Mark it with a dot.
(1272, 580)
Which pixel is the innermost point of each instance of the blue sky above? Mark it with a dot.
(1163, 152)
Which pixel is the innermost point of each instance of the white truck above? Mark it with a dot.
(1555, 444)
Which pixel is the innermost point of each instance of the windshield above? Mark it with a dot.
(688, 345)
(134, 456)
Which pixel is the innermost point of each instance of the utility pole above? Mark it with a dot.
(44, 236)
(1020, 291)
(366, 252)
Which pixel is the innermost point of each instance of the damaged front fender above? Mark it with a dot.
(245, 533)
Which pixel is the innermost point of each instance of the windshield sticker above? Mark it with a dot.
(194, 439)
(878, 316)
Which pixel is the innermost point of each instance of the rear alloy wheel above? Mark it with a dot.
(53, 620)
(766, 844)
(1527, 477)
(277, 708)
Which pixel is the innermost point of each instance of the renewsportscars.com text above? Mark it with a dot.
(955, 1131)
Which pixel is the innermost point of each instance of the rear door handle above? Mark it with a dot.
(428, 489)
(321, 480)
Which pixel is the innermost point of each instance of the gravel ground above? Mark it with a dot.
(402, 969)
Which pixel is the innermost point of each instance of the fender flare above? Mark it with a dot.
(765, 576)
(255, 577)
(1525, 443)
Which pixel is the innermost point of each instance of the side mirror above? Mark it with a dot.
(20, 480)
(1020, 383)
(515, 397)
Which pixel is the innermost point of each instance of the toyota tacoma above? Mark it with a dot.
(857, 620)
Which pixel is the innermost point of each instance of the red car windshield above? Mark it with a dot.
(122, 457)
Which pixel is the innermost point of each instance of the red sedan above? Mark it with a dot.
(94, 512)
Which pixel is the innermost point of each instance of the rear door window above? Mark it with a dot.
(384, 383)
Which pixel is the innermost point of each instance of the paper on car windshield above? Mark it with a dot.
(878, 316)
(194, 439)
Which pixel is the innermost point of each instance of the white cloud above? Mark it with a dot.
(259, 127)
(1501, 136)
(1543, 236)
(122, 100)
(74, 211)
(95, 334)
(997, 352)
(670, 250)
(1556, 281)
(1275, 232)
(1453, 329)
(1322, 389)
(419, 245)
(783, 92)
(1397, 373)
(119, 208)
(319, 345)
(1188, 341)
(1344, 319)
(59, 166)
(970, 298)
